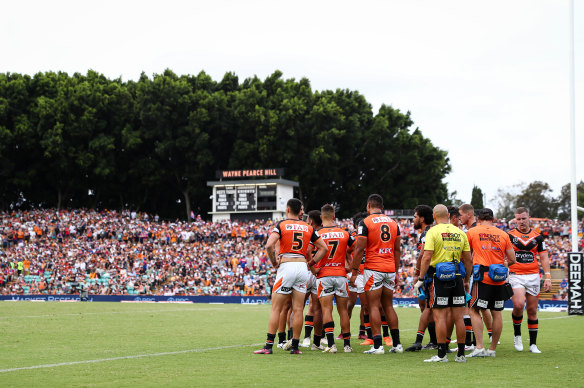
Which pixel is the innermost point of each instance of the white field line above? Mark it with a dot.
(125, 358)
(105, 313)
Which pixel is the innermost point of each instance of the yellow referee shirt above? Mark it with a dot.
(447, 241)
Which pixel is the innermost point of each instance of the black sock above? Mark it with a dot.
(346, 339)
(317, 340)
(367, 326)
(376, 341)
(270, 341)
(308, 325)
(469, 332)
(289, 334)
(395, 337)
(361, 330)
(532, 326)
(295, 343)
(460, 350)
(517, 319)
(329, 331)
(442, 350)
(281, 337)
(490, 331)
(432, 332)
(419, 337)
(384, 326)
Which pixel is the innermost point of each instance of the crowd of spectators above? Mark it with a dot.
(111, 252)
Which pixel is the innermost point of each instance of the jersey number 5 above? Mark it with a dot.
(297, 237)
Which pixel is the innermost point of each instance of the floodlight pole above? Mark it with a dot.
(573, 196)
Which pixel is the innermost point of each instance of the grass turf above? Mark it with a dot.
(215, 344)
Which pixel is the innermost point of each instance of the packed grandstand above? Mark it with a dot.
(111, 252)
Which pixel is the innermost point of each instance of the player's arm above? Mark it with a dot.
(510, 253)
(320, 253)
(360, 246)
(418, 263)
(466, 259)
(545, 264)
(425, 263)
(270, 247)
(397, 252)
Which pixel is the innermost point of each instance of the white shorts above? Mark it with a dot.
(291, 276)
(311, 285)
(374, 280)
(333, 285)
(530, 282)
(358, 284)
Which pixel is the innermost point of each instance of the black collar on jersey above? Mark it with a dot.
(529, 231)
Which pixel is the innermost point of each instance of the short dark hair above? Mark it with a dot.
(521, 209)
(327, 208)
(295, 206)
(453, 211)
(376, 201)
(425, 212)
(314, 215)
(486, 214)
(467, 208)
(358, 217)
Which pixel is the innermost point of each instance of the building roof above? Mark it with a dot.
(252, 182)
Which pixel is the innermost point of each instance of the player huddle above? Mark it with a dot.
(463, 279)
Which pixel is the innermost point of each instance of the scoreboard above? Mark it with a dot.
(250, 194)
(245, 198)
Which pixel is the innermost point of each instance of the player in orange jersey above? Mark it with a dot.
(490, 247)
(332, 279)
(524, 277)
(313, 318)
(379, 237)
(294, 237)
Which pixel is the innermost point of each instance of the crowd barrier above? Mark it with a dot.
(400, 302)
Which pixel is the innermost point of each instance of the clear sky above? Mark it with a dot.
(486, 80)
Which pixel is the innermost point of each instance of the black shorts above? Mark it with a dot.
(446, 294)
(487, 296)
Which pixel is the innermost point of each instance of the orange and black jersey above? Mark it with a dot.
(422, 239)
(526, 246)
(381, 233)
(338, 241)
(295, 236)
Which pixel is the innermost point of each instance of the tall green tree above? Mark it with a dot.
(477, 198)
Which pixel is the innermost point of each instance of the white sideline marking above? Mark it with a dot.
(125, 357)
(562, 317)
(104, 313)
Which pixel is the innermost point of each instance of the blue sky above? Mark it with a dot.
(486, 80)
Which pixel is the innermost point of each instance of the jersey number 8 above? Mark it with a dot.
(385, 234)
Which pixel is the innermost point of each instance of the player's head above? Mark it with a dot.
(486, 214)
(327, 212)
(314, 219)
(422, 214)
(375, 201)
(358, 217)
(466, 214)
(294, 207)
(440, 214)
(454, 215)
(522, 218)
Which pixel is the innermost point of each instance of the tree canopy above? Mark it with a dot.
(151, 144)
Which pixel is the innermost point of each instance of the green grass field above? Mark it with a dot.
(119, 344)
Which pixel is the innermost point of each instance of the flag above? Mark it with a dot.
(192, 214)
